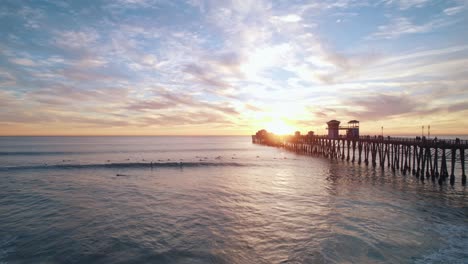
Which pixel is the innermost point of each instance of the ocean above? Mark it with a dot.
(215, 200)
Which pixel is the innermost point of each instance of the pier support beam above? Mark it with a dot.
(452, 174)
(428, 162)
(462, 160)
(415, 152)
(359, 152)
(436, 166)
(443, 168)
(348, 142)
(366, 153)
(343, 153)
(419, 156)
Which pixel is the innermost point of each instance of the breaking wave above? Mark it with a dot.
(136, 165)
(55, 153)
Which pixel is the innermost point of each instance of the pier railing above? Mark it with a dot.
(387, 139)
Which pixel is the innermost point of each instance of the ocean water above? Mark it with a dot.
(215, 200)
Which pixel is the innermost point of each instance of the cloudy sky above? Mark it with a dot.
(163, 67)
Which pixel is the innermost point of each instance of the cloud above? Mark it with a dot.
(451, 11)
(185, 118)
(417, 55)
(407, 4)
(66, 95)
(6, 78)
(63, 105)
(163, 100)
(223, 108)
(230, 61)
(205, 76)
(69, 120)
(6, 99)
(150, 105)
(23, 62)
(320, 114)
(291, 18)
(382, 105)
(252, 108)
(32, 17)
(150, 60)
(386, 106)
(88, 75)
(463, 106)
(403, 26)
(136, 4)
(76, 40)
(24, 117)
(344, 68)
(171, 101)
(84, 121)
(89, 62)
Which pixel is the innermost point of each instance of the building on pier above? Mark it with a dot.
(352, 129)
(333, 129)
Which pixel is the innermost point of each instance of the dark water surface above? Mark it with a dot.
(215, 200)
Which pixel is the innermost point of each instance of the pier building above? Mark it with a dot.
(352, 129)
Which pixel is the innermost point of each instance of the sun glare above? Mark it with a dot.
(279, 127)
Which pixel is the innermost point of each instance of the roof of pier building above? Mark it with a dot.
(332, 122)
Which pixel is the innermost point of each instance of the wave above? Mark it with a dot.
(136, 165)
(36, 153)
(43, 153)
(453, 248)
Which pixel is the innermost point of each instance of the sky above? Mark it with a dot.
(215, 67)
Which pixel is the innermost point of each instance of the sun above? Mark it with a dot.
(279, 127)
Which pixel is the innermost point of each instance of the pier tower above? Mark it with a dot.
(333, 129)
(352, 131)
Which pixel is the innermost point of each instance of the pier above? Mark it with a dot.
(427, 159)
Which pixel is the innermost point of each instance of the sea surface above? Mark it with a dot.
(215, 200)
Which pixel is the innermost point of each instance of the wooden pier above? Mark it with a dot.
(427, 159)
